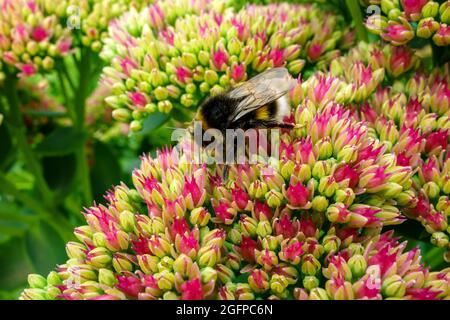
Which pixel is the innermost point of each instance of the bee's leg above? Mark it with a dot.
(227, 152)
(226, 170)
(271, 124)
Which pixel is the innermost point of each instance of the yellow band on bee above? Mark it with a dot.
(262, 113)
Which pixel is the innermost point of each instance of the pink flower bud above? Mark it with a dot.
(297, 195)
(240, 197)
(39, 34)
(192, 290)
(130, 285)
(413, 7)
(436, 141)
(138, 99)
(248, 247)
(347, 172)
(141, 246)
(183, 74)
(262, 209)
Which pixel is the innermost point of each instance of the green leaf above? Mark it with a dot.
(153, 122)
(22, 180)
(45, 248)
(14, 264)
(106, 170)
(12, 228)
(11, 211)
(7, 151)
(61, 141)
(181, 115)
(59, 172)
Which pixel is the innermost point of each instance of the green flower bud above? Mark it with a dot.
(224, 273)
(320, 169)
(148, 263)
(165, 280)
(187, 100)
(204, 87)
(150, 108)
(430, 9)
(358, 265)
(439, 239)
(53, 279)
(136, 126)
(431, 189)
(406, 198)
(278, 284)
(200, 217)
(327, 186)
(393, 286)
(310, 265)
(165, 106)
(216, 90)
(331, 243)
(165, 263)
(444, 10)
(348, 154)
(264, 228)
(182, 265)
(52, 293)
(310, 282)
(324, 149)
(296, 66)
(208, 256)
(211, 77)
(34, 294)
(318, 294)
(121, 114)
(346, 196)
(106, 277)
(274, 198)
(127, 221)
(161, 93)
(259, 281)
(203, 58)
(99, 257)
(209, 274)
(37, 281)
(48, 63)
(234, 46)
(388, 5)
(248, 226)
(189, 60)
(170, 295)
(122, 263)
(319, 203)
(76, 250)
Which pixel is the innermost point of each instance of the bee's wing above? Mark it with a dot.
(260, 91)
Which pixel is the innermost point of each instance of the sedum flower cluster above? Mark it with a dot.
(402, 21)
(31, 39)
(89, 19)
(155, 66)
(308, 225)
(410, 115)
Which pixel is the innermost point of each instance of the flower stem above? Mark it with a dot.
(80, 109)
(61, 225)
(434, 257)
(355, 11)
(16, 127)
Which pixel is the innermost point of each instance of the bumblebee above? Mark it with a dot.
(260, 102)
